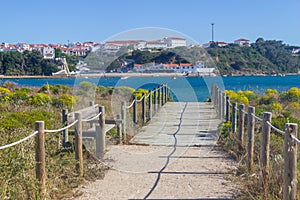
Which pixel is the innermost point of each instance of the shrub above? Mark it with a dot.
(64, 100)
(139, 93)
(101, 89)
(39, 99)
(277, 107)
(292, 94)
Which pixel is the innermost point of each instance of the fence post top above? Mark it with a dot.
(291, 124)
(251, 108)
(39, 122)
(267, 113)
(78, 114)
(242, 105)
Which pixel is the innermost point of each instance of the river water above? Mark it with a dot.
(183, 88)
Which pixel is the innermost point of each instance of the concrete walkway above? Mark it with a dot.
(178, 159)
(191, 123)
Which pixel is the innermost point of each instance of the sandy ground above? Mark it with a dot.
(169, 173)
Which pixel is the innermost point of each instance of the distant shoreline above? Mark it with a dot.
(111, 75)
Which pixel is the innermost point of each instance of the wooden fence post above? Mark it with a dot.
(220, 104)
(265, 150)
(150, 104)
(155, 100)
(134, 110)
(158, 96)
(100, 134)
(223, 105)
(91, 104)
(241, 126)
(227, 109)
(166, 93)
(78, 144)
(251, 125)
(290, 162)
(65, 132)
(119, 129)
(40, 156)
(163, 94)
(234, 116)
(123, 117)
(144, 108)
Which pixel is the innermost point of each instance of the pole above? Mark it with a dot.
(241, 126)
(290, 162)
(265, 151)
(251, 125)
(40, 156)
(78, 144)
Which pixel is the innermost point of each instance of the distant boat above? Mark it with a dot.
(174, 77)
(124, 77)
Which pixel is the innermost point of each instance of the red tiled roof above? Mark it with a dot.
(155, 42)
(175, 38)
(185, 64)
(170, 65)
(242, 40)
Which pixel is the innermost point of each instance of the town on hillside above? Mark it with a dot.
(82, 50)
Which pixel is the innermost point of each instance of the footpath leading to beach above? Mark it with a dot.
(175, 156)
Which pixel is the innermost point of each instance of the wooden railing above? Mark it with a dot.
(151, 103)
(99, 125)
(237, 115)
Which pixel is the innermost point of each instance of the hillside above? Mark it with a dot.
(262, 57)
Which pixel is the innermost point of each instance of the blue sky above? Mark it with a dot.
(57, 21)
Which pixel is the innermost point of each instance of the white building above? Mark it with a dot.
(156, 44)
(242, 42)
(173, 42)
(48, 52)
(23, 46)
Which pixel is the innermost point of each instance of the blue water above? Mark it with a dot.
(183, 89)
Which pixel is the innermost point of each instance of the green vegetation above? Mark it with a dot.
(19, 109)
(28, 63)
(33, 63)
(285, 107)
(264, 57)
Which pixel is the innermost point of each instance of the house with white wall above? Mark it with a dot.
(173, 42)
(242, 42)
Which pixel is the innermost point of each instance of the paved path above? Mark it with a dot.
(191, 124)
(177, 161)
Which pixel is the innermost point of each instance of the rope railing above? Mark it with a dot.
(245, 112)
(148, 95)
(62, 129)
(295, 139)
(20, 141)
(128, 107)
(92, 118)
(275, 129)
(141, 99)
(257, 118)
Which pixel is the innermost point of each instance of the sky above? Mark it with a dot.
(60, 21)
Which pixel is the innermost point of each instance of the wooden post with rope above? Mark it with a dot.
(78, 144)
(265, 151)
(241, 126)
(290, 162)
(40, 156)
(250, 147)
